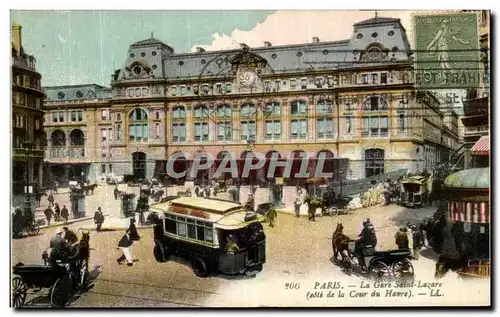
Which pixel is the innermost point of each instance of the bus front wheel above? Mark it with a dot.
(200, 268)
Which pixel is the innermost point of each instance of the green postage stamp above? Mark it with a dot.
(447, 50)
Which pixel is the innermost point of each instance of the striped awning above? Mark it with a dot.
(482, 147)
(473, 212)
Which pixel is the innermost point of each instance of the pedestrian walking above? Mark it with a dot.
(98, 219)
(51, 200)
(48, 214)
(124, 244)
(401, 238)
(297, 204)
(271, 216)
(197, 191)
(250, 204)
(64, 213)
(134, 235)
(116, 191)
(57, 211)
(418, 240)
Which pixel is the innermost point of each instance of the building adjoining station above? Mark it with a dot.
(353, 99)
(28, 136)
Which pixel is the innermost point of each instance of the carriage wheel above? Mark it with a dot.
(19, 289)
(333, 211)
(61, 291)
(84, 275)
(402, 269)
(379, 271)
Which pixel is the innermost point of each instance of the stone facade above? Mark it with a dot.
(355, 99)
(27, 117)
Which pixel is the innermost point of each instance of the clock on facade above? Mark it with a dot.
(248, 79)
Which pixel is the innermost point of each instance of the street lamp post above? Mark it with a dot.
(27, 191)
(83, 177)
(341, 188)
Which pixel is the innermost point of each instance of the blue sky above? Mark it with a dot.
(80, 47)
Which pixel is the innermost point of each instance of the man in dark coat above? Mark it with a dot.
(418, 240)
(365, 238)
(124, 244)
(134, 235)
(51, 200)
(48, 214)
(401, 238)
(57, 211)
(250, 204)
(116, 191)
(98, 219)
(64, 213)
(70, 236)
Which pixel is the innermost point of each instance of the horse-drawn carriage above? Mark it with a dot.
(24, 222)
(379, 265)
(62, 279)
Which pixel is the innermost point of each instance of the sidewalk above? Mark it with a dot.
(115, 223)
(62, 223)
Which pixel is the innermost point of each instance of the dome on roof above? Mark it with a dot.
(469, 178)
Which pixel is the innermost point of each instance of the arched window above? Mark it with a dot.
(178, 124)
(224, 123)
(201, 115)
(77, 138)
(58, 138)
(272, 127)
(374, 162)
(138, 125)
(248, 124)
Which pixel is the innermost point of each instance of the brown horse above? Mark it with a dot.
(340, 242)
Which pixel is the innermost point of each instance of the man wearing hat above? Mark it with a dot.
(124, 245)
(98, 219)
(401, 238)
(365, 238)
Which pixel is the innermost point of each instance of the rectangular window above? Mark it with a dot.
(383, 78)
(179, 132)
(299, 129)
(384, 126)
(54, 116)
(293, 83)
(157, 115)
(174, 91)
(303, 83)
(80, 115)
(273, 129)
(402, 126)
(183, 90)
(299, 108)
(179, 113)
(157, 130)
(228, 87)
(182, 229)
(267, 86)
(61, 116)
(374, 126)
(278, 84)
(104, 133)
(374, 79)
(191, 232)
(324, 128)
(364, 79)
(324, 107)
(201, 131)
(73, 116)
(365, 127)
(218, 88)
(110, 168)
(104, 114)
(224, 131)
(248, 130)
(103, 168)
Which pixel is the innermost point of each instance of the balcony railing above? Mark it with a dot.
(65, 152)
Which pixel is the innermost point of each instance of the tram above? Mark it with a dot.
(215, 235)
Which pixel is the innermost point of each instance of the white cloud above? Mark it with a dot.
(294, 27)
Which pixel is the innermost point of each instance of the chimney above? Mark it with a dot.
(16, 38)
(267, 44)
(200, 50)
(315, 39)
(244, 47)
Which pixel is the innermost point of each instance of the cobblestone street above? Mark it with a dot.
(298, 250)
